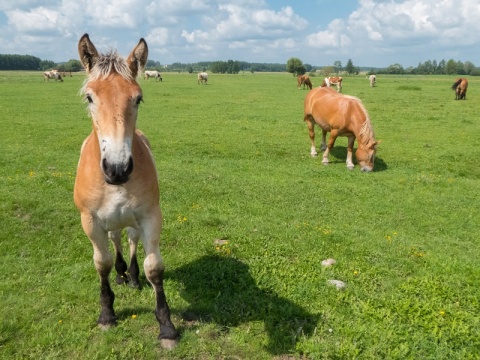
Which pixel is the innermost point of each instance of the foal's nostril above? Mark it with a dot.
(117, 173)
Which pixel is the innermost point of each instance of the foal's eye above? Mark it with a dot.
(139, 100)
(89, 98)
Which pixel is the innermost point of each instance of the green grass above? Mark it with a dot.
(234, 164)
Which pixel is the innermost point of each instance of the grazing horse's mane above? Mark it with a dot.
(366, 132)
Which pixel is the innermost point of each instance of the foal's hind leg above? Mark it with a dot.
(130, 276)
(120, 264)
(133, 270)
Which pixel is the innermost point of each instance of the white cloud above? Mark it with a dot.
(193, 30)
(38, 19)
(157, 37)
(378, 27)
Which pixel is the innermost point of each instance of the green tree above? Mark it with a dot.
(327, 70)
(468, 67)
(337, 66)
(295, 66)
(395, 69)
(47, 64)
(349, 68)
(72, 65)
(451, 67)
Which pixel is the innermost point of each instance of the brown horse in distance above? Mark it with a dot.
(305, 81)
(341, 115)
(460, 86)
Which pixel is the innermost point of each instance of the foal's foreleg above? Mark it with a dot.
(103, 260)
(154, 269)
(351, 141)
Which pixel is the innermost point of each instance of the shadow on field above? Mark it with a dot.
(339, 154)
(221, 290)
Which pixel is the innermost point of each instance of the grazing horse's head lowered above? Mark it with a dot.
(341, 115)
(113, 98)
(116, 186)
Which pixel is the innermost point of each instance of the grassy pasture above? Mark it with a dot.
(234, 164)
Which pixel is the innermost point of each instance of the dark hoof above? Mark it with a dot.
(121, 279)
(105, 324)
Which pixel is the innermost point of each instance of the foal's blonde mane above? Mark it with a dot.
(107, 64)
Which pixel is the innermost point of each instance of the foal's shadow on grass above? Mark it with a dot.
(222, 291)
(339, 155)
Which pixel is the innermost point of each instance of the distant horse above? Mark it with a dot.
(53, 74)
(154, 74)
(202, 78)
(116, 185)
(305, 80)
(341, 115)
(334, 80)
(373, 79)
(460, 86)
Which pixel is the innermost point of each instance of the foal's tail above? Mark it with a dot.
(456, 83)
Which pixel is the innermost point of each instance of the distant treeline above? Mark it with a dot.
(219, 67)
(432, 67)
(450, 67)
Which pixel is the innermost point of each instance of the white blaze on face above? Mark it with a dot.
(115, 150)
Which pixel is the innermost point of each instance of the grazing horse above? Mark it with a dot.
(330, 81)
(460, 86)
(202, 78)
(373, 79)
(53, 74)
(153, 73)
(305, 80)
(116, 185)
(341, 115)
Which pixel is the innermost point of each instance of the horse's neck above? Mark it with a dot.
(365, 134)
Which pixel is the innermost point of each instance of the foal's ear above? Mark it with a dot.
(87, 52)
(138, 58)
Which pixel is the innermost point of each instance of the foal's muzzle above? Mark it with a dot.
(117, 173)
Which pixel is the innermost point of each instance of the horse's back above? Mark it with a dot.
(330, 109)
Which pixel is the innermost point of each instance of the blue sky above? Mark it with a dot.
(375, 33)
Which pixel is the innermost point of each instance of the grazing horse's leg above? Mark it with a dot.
(154, 267)
(103, 260)
(323, 147)
(331, 142)
(351, 141)
(311, 132)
